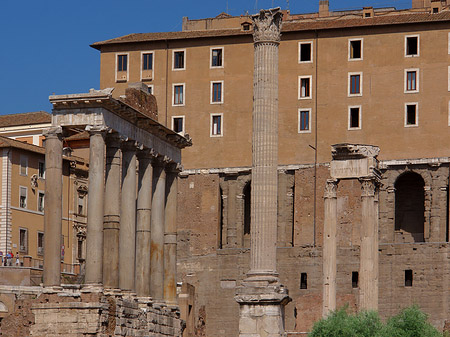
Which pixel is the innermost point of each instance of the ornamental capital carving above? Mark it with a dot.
(331, 189)
(52, 132)
(369, 187)
(97, 129)
(267, 25)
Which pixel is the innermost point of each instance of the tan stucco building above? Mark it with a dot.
(370, 76)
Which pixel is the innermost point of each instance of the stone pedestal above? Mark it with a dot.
(329, 247)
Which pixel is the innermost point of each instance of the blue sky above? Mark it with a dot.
(45, 44)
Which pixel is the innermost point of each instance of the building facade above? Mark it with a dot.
(373, 76)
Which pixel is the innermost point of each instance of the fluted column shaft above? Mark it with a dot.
(170, 237)
(144, 205)
(94, 237)
(127, 235)
(368, 288)
(329, 248)
(111, 220)
(265, 160)
(157, 228)
(53, 207)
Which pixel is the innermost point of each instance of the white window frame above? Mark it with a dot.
(173, 124)
(309, 120)
(417, 81)
(173, 94)
(173, 59)
(418, 45)
(300, 49)
(128, 66)
(406, 115)
(448, 113)
(153, 64)
(40, 250)
(152, 87)
(26, 196)
(349, 49)
(350, 74)
(25, 250)
(210, 57)
(43, 201)
(211, 92)
(359, 118)
(211, 125)
(300, 87)
(25, 159)
(43, 163)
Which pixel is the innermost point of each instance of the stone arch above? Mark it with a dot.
(410, 206)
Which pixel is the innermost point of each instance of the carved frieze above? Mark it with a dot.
(267, 25)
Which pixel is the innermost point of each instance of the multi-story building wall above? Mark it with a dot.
(372, 76)
(27, 127)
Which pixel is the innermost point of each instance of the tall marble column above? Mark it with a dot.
(144, 206)
(329, 247)
(127, 234)
(111, 219)
(368, 274)
(94, 237)
(261, 297)
(53, 206)
(170, 236)
(157, 228)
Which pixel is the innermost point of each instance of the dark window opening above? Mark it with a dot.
(410, 206)
(303, 281)
(305, 52)
(355, 84)
(411, 80)
(355, 279)
(355, 49)
(408, 278)
(217, 92)
(435, 10)
(178, 60)
(80, 249)
(147, 61)
(247, 207)
(354, 117)
(246, 26)
(122, 62)
(178, 124)
(304, 120)
(367, 15)
(411, 114)
(305, 87)
(216, 60)
(412, 44)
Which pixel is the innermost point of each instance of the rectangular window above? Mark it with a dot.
(216, 57)
(304, 87)
(303, 281)
(41, 170)
(412, 45)
(150, 89)
(40, 243)
(23, 240)
(178, 60)
(355, 279)
(147, 61)
(411, 81)
(411, 114)
(354, 117)
(122, 62)
(304, 120)
(41, 201)
(216, 125)
(178, 94)
(80, 249)
(355, 49)
(305, 52)
(216, 92)
(178, 124)
(80, 204)
(23, 165)
(355, 80)
(23, 197)
(408, 278)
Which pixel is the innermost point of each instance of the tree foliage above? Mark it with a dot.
(411, 322)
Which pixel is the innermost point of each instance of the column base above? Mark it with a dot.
(261, 307)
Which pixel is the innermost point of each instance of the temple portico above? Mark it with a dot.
(134, 164)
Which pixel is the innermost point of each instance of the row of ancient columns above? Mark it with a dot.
(131, 228)
(368, 267)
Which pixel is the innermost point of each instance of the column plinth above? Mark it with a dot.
(53, 206)
(329, 247)
(157, 229)
(111, 220)
(143, 227)
(368, 274)
(94, 236)
(127, 234)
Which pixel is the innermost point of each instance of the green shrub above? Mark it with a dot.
(411, 322)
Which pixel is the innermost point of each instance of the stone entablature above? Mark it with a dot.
(354, 161)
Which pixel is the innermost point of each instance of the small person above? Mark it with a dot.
(17, 259)
(1, 258)
(8, 258)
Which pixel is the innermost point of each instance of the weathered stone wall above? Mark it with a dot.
(216, 272)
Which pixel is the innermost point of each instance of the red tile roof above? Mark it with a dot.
(8, 142)
(27, 118)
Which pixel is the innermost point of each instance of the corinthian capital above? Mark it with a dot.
(331, 189)
(368, 187)
(267, 25)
